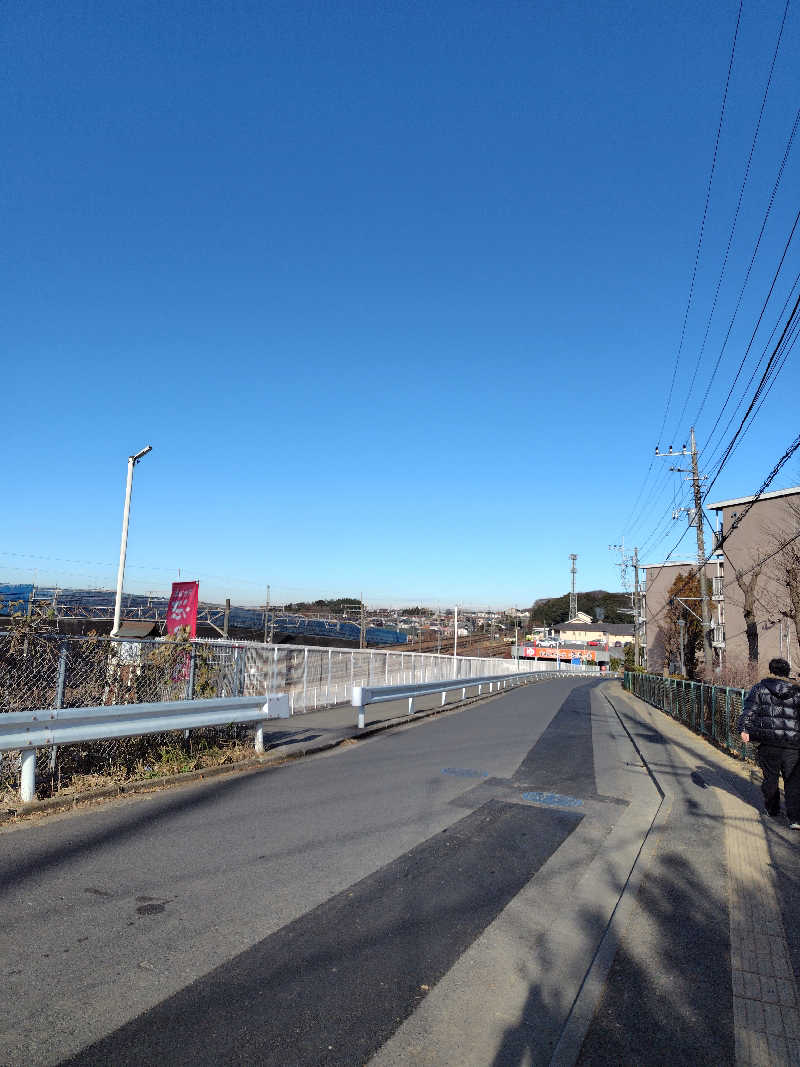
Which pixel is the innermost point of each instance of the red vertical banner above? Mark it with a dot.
(182, 609)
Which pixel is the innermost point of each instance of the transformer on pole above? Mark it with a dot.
(573, 596)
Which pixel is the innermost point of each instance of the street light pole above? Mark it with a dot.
(132, 461)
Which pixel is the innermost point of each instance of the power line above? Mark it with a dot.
(789, 344)
(748, 272)
(756, 395)
(733, 230)
(755, 369)
(721, 541)
(659, 484)
(702, 223)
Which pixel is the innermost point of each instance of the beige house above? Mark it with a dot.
(659, 578)
(753, 574)
(607, 633)
(747, 577)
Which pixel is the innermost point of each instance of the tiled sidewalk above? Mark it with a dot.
(765, 1001)
(766, 1006)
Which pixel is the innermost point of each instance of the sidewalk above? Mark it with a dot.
(706, 967)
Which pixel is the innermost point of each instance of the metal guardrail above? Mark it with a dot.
(364, 695)
(710, 710)
(28, 730)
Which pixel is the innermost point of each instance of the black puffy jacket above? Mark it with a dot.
(772, 713)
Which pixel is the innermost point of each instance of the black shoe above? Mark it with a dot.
(774, 813)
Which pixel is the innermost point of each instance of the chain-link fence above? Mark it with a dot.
(710, 710)
(45, 671)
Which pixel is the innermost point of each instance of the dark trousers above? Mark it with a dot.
(774, 760)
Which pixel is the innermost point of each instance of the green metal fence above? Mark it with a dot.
(710, 710)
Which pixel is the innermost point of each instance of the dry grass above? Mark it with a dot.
(75, 773)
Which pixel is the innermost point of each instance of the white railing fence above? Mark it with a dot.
(493, 683)
(317, 678)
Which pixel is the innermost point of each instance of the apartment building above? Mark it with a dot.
(752, 560)
(747, 577)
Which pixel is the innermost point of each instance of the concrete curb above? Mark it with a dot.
(252, 765)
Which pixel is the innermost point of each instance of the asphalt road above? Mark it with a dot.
(416, 896)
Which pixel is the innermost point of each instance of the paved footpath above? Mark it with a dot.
(705, 970)
(557, 875)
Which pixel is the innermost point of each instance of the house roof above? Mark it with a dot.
(794, 491)
(672, 563)
(135, 629)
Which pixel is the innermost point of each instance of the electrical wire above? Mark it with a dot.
(756, 395)
(791, 341)
(755, 370)
(732, 232)
(748, 272)
(702, 223)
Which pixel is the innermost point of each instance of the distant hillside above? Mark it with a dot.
(548, 611)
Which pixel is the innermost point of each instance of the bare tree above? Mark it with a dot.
(785, 564)
(682, 625)
(748, 584)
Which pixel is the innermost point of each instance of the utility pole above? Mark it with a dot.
(708, 652)
(573, 596)
(266, 615)
(455, 632)
(361, 641)
(637, 612)
(697, 520)
(227, 616)
(637, 652)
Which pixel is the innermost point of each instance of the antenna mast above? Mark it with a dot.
(573, 596)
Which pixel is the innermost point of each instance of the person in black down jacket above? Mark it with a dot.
(771, 720)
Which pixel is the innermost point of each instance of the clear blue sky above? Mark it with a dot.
(394, 290)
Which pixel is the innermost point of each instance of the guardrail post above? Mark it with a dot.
(728, 716)
(260, 737)
(190, 680)
(464, 693)
(694, 705)
(714, 712)
(328, 687)
(410, 705)
(444, 698)
(702, 709)
(305, 679)
(62, 674)
(27, 775)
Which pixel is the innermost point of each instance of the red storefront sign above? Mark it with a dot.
(182, 610)
(539, 652)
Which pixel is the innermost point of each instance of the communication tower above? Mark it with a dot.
(573, 596)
